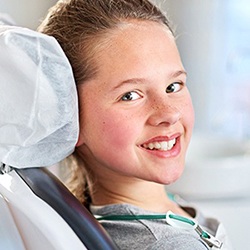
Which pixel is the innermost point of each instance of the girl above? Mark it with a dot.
(136, 119)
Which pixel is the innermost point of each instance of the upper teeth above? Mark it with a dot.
(163, 145)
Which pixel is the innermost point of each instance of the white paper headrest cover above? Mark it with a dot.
(38, 100)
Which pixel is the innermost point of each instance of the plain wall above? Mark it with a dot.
(27, 13)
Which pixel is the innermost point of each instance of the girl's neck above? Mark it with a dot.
(147, 195)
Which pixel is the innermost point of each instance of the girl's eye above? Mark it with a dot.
(130, 96)
(173, 87)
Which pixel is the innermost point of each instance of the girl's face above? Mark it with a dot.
(136, 115)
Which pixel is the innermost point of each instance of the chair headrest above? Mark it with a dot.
(38, 100)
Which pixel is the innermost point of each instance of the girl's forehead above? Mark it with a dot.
(132, 31)
(145, 50)
(106, 50)
(135, 41)
(129, 32)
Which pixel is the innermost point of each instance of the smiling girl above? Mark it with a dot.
(136, 117)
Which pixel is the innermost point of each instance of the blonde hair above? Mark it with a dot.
(79, 26)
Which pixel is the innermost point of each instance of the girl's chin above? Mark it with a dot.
(170, 177)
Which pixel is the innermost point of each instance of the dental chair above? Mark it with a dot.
(39, 128)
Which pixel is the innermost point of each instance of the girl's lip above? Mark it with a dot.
(162, 138)
(175, 151)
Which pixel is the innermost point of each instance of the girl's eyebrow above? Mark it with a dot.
(178, 73)
(131, 81)
(143, 80)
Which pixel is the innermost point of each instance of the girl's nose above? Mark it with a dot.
(163, 113)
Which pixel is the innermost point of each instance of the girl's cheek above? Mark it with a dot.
(119, 131)
(189, 116)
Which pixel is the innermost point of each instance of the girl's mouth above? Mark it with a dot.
(160, 145)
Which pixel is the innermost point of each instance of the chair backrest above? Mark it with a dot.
(46, 214)
(35, 223)
(39, 127)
